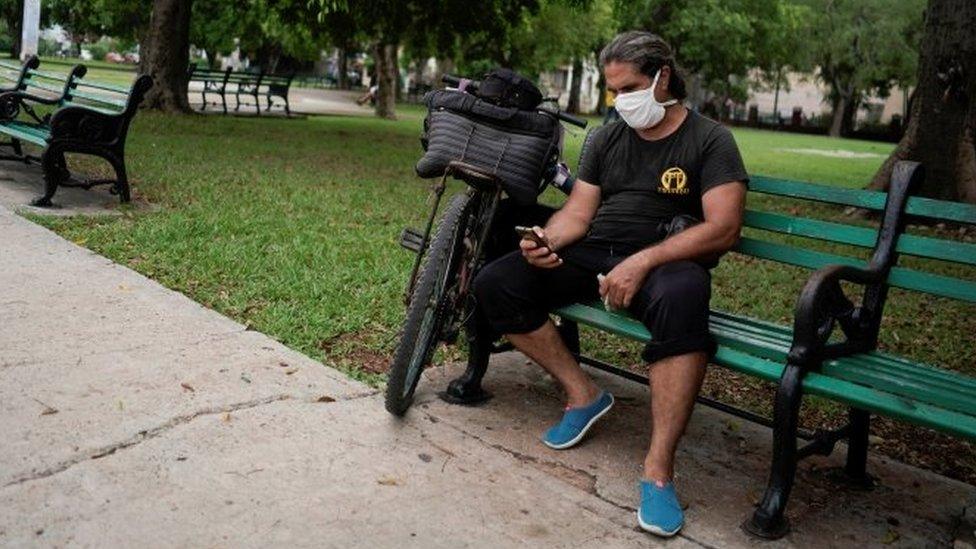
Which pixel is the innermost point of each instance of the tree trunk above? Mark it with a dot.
(837, 120)
(942, 118)
(342, 67)
(166, 55)
(387, 74)
(17, 28)
(576, 86)
(779, 78)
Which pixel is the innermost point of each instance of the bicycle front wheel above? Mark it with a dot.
(426, 311)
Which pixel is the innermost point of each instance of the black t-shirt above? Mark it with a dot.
(644, 183)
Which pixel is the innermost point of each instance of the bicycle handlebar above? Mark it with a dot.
(454, 81)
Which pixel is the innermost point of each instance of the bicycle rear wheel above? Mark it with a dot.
(427, 309)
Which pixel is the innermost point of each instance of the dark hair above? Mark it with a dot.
(648, 52)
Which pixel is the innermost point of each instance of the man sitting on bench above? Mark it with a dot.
(636, 175)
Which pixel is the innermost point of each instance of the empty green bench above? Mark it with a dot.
(83, 117)
(253, 84)
(806, 359)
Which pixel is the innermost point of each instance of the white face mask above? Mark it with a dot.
(640, 109)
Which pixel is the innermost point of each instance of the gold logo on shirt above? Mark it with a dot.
(674, 181)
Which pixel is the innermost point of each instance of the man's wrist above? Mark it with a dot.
(647, 258)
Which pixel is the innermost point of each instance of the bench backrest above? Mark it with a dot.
(196, 73)
(917, 277)
(12, 75)
(102, 97)
(50, 85)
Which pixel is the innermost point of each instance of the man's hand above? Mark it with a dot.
(539, 255)
(621, 284)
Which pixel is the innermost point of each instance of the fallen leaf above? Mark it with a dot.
(388, 481)
(890, 537)
(226, 417)
(188, 387)
(325, 398)
(290, 372)
(283, 364)
(245, 379)
(425, 457)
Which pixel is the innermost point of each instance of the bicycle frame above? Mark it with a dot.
(477, 228)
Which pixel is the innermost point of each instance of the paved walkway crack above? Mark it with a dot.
(547, 467)
(154, 432)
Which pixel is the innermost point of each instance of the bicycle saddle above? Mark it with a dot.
(471, 175)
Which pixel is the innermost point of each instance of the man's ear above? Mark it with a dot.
(664, 84)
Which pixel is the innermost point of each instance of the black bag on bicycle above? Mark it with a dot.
(507, 88)
(514, 145)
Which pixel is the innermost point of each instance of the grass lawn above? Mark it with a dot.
(290, 226)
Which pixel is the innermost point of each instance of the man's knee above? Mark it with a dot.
(679, 286)
(674, 302)
(507, 294)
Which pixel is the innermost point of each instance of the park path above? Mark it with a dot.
(130, 415)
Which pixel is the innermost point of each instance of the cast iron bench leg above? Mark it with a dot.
(857, 449)
(51, 162)
(121, 179)
(768, 520)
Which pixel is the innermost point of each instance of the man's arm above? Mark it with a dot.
(566, 226)
(722, 207)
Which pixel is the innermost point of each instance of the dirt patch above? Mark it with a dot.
(357, 350)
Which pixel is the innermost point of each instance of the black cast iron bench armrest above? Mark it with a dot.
(12, 101)
(822, 305)
(87, 124)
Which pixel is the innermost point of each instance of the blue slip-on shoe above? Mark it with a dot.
(659, 512)
(576, 422)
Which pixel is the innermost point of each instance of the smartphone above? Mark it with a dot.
(527, 232)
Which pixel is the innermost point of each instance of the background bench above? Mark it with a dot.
(85, 117)
(252, 84)
(831, 349)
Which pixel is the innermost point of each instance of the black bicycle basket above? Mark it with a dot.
(514, 145)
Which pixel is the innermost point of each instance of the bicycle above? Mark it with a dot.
(437, 295)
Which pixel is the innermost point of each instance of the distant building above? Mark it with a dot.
(806, 92)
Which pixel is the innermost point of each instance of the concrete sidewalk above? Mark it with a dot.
(132, 415)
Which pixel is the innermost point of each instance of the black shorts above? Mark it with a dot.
(673, 303)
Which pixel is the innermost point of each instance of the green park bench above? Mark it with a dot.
(806, 359)
(81, 117)
(253, 84)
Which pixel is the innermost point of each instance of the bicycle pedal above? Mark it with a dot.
(412, 239)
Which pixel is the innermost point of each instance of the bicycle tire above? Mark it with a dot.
(419, 336)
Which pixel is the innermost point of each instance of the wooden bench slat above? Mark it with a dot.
(921, 246)
(856, 395)
(934, 284)
(870, 200)
(944, 389)
(876, 360)
(75, 94)
(801, 257)
(901, 277)
(941, 209)
(103, 87)
(46, 87)
(25, 132)
(811, 228)
(57, 77)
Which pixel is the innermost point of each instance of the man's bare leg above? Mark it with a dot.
(547, 348)
(674, 382)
